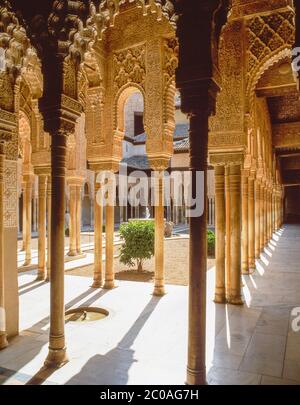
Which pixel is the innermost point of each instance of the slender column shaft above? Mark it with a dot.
(57, 349)
(227, 237)
(220, 215)
(278, 212)
(28, 205)
(261, 218)
(34, 220)
(196, 368)
(270, 215)
(109, 282)
(235, 243)
(3, 336)
(42, 228)
(159, 284)
(251, 223)
(73, 219)
(49, 192)
(281, 210)
(274, 211)
(23, 217)
(98, 225)
(78, 220)
(245, 232)
(266, 216)
(257, 220)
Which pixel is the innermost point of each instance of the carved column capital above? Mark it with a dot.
(227, 159)
(160, 164)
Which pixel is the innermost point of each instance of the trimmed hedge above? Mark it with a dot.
(138, 246)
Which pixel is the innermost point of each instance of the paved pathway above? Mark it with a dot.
(144, 338)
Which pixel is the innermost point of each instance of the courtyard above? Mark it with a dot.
(149, 192)
(143, 339)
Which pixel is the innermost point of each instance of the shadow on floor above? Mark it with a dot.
(24, 348)
(27, 290)
(113, 367)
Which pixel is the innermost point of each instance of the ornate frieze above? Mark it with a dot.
(103, 16)
(226, 139)
(129, 67)
(217, 159)
(242, 8)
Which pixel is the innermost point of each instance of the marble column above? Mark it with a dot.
(270, 215)
(251, 223)
(28, 208)
(35, 213)
(78, 220)
(159, 283)
(73, 220)
(109, 281)
(227, 237)
(42, 227)
(196, 368)
(98, 225)
(278, 212)
(57, 350)
(274, 228)
(265, 216)
(281, 210)
(23, 216)
(261, 217)
(220, 215)
(235, 243)
(49, 192)
(3, 334)
(275, 211)
(257, 219)
(245, 216)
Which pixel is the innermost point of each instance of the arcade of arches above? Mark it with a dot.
(68, 68)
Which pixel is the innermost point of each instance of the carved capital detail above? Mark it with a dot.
(228, 159)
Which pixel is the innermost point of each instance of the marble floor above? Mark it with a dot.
(144, 338)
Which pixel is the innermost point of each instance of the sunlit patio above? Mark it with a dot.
(143, 340)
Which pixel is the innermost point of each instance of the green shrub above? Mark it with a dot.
(211, 240)
(138, 237)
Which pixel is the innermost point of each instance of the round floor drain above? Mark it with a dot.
(86, 314)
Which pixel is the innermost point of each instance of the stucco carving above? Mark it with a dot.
(269, 39)
(229, 115)
(287, 135)
(129, 67)
(10, 194)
